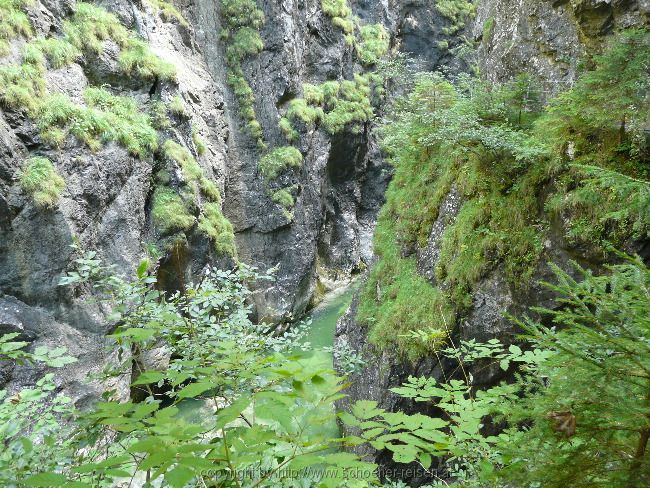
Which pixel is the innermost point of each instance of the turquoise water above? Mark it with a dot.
(324, 317)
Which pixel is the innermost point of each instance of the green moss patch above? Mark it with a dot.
(242, 20)
(169, 212)
(216, 226)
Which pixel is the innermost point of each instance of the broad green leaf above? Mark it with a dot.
(179, 476)
(46, 479)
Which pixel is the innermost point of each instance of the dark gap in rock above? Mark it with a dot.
(154, 87)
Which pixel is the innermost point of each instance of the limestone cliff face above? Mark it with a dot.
(341, 183)
(107, 201)
(546, 39)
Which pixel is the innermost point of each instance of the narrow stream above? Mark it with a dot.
(324, 317)
(320, 335)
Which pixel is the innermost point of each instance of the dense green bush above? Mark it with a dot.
(264, 408)
(577, 414)
(41, 181)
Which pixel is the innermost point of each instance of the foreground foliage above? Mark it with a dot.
(237, 406)
(263, 407)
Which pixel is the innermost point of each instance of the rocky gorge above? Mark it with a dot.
(107, 201)
(312, 221)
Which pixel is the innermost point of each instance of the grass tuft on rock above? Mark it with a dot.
(169, 212)
(41, 181)
(13, 23)
(218, 229)
(105, 118)
(274, 163)
(374, 43)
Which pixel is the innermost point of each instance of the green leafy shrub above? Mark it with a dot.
(274, 163)
(274, 405)
(374, 44)
(585, 406)
(603, 114)
(216, 226)
(493, 224)
(42, 182)
(601, 119)
(169, 212)
(37, 430)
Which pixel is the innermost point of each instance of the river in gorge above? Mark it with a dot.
(320, 335)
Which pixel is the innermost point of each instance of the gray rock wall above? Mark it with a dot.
(106, 204)
(547, 39)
